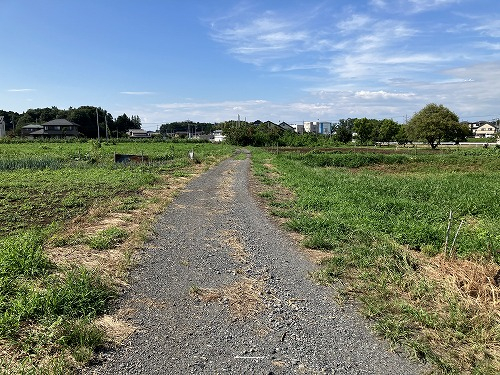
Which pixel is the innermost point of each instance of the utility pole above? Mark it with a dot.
(106, 124)
(98, 131)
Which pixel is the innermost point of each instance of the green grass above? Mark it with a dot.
(367, 210)
(107, 238)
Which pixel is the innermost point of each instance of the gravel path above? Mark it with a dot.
(222, 290)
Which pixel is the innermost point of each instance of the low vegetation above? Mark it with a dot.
(428, 279)
(71, 219)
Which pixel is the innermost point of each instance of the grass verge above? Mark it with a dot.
(383, 220)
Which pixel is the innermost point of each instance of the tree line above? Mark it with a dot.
(187, 128)
(88, 117)
(433, 124)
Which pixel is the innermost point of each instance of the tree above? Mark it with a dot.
(123, 123)
(365, 129)
(86, 117)
(459, 133)
(388, 130)
(136, 120)
(433, 123)
(343, 134)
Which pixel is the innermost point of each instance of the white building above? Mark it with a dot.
(318, 127)
(298, 128)
(311, 127)
(218, 137)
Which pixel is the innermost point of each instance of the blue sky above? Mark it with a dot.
(212, 60)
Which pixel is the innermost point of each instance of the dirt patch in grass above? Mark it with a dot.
(317, 256)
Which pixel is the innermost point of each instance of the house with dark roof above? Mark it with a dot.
(58, 128)
(138, 133)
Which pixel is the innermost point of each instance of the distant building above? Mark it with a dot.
(58, 128)
(283, 125)
(325, 128)
(28, 129)
(218, 136)
(318, 127)
(2, 127)
(138, 133)
(299, 128)
(485, 130)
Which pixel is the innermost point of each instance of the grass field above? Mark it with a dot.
(428, 279)
(71, 219)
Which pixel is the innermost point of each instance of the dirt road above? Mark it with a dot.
(222, 290)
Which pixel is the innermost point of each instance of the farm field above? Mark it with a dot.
(71, 219)
(413, 238)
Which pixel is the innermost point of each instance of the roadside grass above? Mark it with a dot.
(71, 221)
(384, 220)
(107, 238)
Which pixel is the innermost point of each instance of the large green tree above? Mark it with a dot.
(434, 123)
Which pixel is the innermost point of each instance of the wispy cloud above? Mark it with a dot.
(137, 92)
(411, 6)
(20, 90)
(383, 95)
(263, 39)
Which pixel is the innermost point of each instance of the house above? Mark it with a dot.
(28, 129)
(58, 128)
(485, 130)
(283, 125)
(138, 133)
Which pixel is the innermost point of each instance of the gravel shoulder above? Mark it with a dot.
(221, 289)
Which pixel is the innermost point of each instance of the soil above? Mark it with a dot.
(221, 289)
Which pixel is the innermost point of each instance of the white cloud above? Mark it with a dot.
(489, 27)
(20, 90)
(370, 95)
(137, 92)
(489, 46)
(411, 6)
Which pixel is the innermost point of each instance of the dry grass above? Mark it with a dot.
(224, 191)
(473, 281)
(229, 238)
(117, 330)
(244, 297)
(471, 288)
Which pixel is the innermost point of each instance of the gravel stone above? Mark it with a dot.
(212, 237)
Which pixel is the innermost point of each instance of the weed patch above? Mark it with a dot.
(107, 238)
